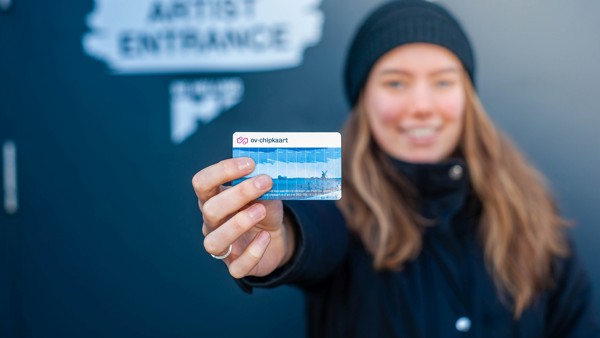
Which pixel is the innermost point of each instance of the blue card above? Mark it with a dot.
(303, 166)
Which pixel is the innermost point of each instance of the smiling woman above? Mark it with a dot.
(415, 101)
(443, 228)
(418, 107)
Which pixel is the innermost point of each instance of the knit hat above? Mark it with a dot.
(397, 23)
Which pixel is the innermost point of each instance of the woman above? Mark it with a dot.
(444, 227)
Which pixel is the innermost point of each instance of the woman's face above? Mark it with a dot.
(415, 102)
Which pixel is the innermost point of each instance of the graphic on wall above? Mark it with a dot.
(201, 36)
(200, 100)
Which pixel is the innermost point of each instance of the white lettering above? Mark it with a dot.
(156, 36)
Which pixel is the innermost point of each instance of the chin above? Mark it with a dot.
(419, 158)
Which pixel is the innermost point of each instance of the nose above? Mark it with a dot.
(421, 101)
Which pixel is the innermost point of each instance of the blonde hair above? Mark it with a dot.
(520, 228)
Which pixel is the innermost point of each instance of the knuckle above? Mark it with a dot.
(210, 246)
(237, 225)
(199, 182)
(255, 253)
(195, 179)
(209, 212)
(247, 190)
(235, 271)
(228, 168)
(240, 223)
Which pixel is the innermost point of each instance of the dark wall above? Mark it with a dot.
(107, 237)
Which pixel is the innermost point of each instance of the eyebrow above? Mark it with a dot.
(407, 73)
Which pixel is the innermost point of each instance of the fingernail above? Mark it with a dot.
(256, 211)
(243, 164)
(261, 182)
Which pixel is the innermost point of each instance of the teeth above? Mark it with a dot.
(421, 132)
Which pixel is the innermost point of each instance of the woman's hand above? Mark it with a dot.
(232, 216)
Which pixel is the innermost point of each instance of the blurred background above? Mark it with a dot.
(108, 108)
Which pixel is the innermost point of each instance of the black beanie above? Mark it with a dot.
(397, 23)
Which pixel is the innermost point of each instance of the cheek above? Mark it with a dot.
(383, 120)
(384, 110)
(453, 108)
(388, 114)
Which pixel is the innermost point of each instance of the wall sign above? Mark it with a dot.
(204, 36)
(201, 100)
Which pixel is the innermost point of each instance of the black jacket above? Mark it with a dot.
(445, 292)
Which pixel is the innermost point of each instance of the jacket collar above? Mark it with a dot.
(444, 192)
(435, 180)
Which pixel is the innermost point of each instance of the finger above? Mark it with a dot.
(207, 181)
(242, 266)
(229, 201)
(219, 240)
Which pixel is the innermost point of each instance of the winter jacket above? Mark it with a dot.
(445, 292)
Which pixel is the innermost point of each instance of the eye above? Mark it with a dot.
(395, 84)
(444, 83)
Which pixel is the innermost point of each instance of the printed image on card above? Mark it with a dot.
(303, 166)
